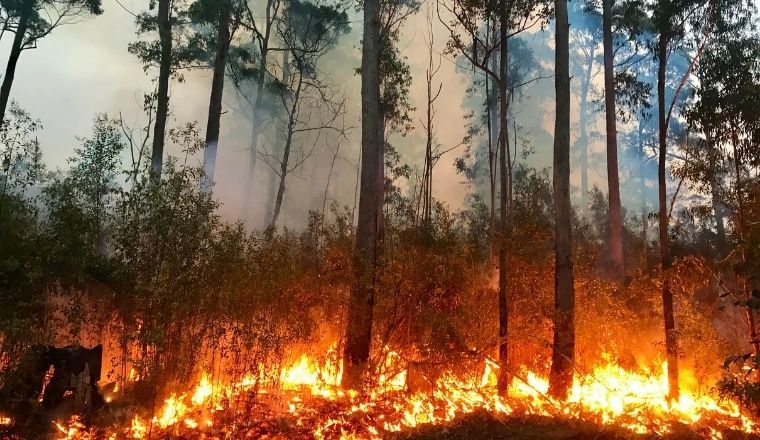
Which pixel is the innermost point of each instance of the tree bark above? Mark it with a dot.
(563, 347)
(217, 90)
(615, 213)
(10, 70)
(366, 248)
(504, 370)
(162, 105)
(671, 342)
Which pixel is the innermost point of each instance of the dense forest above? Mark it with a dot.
(341, 219)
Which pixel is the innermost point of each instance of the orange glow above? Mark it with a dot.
(607, 395)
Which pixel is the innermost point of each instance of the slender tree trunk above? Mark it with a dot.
(563, 348)
(256, 113)
(493, 121)
(286, 151)
(164, 72)
(671, 342)
(615, 214)
(720, 228)
(362, 298)
(642, 198)
(215, 101)
(329, 178)
(10, 70)
(583, 125)
(749, 314)
(504, 370)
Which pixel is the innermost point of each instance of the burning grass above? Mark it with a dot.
(306, 403)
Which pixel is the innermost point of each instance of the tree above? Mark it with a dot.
(178, 48)
(670, 21)
(615, 213)
(33, 20)
(366, 248)
(469, 26)
(563, 348)
(220, 14)
(308, 32)
(251, 62)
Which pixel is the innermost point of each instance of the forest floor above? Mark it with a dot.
(484, 426)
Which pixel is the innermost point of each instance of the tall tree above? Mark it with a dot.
(308, 32)
(563, 348)
(468, 24)
(219, 13)
(671, 20)
(615, 213)
(162, 100)
(366, 248)
(33, 20)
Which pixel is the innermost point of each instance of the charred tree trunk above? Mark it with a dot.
(362, 298)
(615, 214)
(563, 348)
(162, 104)
(671, 342)
(223, 39)
(10, 70)
(504, 371)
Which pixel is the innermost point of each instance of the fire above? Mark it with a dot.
(607, 394)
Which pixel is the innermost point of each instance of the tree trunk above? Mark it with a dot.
(10, 69)
(162, 105)
(256, 114)
(286, 151)
(563, 347)
(643, 199)
(671, 342)
(615, 214)
(717, 205)
(361, 300)
(749, 313)
(583, 125)
(215, 101)
(504, 371)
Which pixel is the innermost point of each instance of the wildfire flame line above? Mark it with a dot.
(608, 395)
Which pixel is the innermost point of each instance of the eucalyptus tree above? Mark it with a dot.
(673, 22)
(480, 32)
(585, 33)
(563, 347)
(31, 21)
(308, 31)
(366, 247)
(726, 110)
(385, 107)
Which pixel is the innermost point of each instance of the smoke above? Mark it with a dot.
(84, 69)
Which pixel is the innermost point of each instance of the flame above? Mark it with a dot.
(607, 395)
